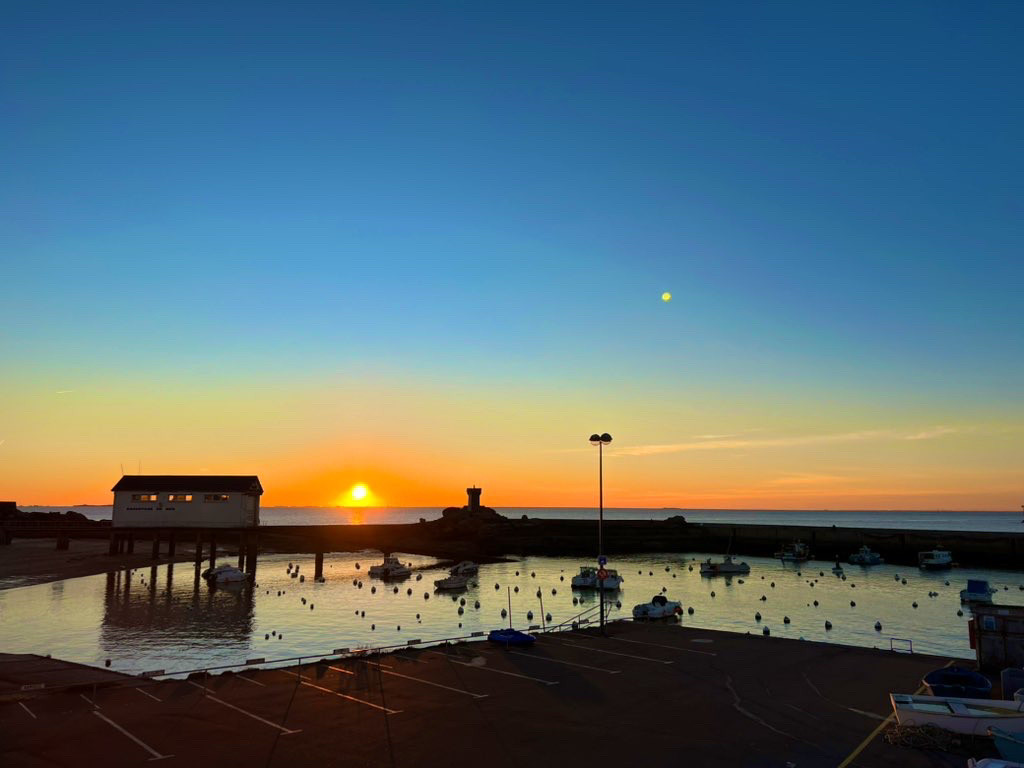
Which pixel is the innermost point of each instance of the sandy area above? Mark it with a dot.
(36, 561)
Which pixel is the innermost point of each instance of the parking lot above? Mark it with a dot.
(645, 694)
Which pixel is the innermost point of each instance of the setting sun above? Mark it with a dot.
(359, 492)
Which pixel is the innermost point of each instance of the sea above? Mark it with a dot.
(165, 617)
(1004, 522)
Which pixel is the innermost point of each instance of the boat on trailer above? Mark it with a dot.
(972, 717)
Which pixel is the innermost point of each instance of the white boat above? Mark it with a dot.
(455, 581)
(724, 568)
(660, 607)
(968, 716)
(864, 556)
(391, 568)
(796, 552)
(465, 568)
(978, 591)
(935, 559)
(587, 579)
(224, 574)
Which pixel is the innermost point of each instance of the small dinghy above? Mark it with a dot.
(978, 591)
(224, 574)
(660, 607)
(510, 638)
(972, 717)
(725, 568)
(1010, 745)
(958, 681)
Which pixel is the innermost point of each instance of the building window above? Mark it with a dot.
(216, 497)
(144, 497)
(179, 497)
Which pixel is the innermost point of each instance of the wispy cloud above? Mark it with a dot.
(713, 437)
(807, 478)
(64, 391)
(784, 442)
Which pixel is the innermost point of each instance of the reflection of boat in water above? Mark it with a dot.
(660, 607)
(391, 568)
(935, 559)
(224, 574)
(796, 552)
(454, 581)
(725, 568)
(978, 591)
(969, 716)
(864, 556)
(587, 579)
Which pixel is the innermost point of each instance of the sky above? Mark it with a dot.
(423, 245)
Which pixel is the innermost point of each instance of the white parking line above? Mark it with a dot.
(211, 697)
(342, 670)
(427, 682)
(353, 698)
(496, 671)
(91, 703)
(145, 693)
(659, 645)
(250, 680)
(155, 755)
(567, 663)
(592, 649)
(30, 712)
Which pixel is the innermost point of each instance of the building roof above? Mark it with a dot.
(198, 483)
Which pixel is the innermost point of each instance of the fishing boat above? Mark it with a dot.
(510, 637)
(864, 556)
(724, 568)
(587, 579)
(224, 574)
(454, 581)
(978, 591)
(796, 552)
(972, 717)
(391, 568)
(935, 559)
(465, 568)
(958, 681)
(1009, 744)
(660, 607)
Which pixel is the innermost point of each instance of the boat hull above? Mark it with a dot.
(1010, 745)
(977, 717)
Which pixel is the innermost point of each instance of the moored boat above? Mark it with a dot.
(660, 607)
(391, 568)
(724, 568)
(865, 556)
(992, 762)
(465, 568)
(587, 579)
(978, 591)
(510, 637)
(455, 581)
(968, 716)
(797, 552)
(935, 559)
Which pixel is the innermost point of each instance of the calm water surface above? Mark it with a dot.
(164, 617)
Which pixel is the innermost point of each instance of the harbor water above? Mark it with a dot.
(166, 617)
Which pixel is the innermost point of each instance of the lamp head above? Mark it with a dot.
(606, 438)
(596, 438)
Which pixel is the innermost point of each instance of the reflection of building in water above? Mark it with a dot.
(167, 607)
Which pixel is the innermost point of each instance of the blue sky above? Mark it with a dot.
(831, 194)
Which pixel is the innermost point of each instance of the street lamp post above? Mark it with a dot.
(600, 441)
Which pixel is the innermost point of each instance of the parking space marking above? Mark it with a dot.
(90, 702)
(491, 669)
(567, 663)
(30, 712)
(342, 670)
(146, 693)
(155, 755)
(426, 682)
(250, 680)
(211, 697)
(592, 649)
(659, 645)
(353, 698)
